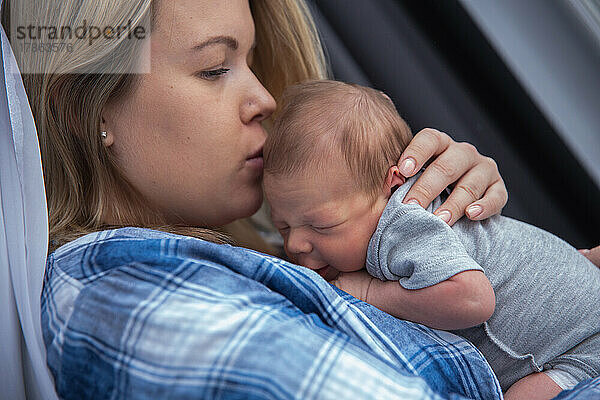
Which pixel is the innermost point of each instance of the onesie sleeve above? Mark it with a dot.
(416, 248)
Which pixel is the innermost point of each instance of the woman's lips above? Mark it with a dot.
(255, 160)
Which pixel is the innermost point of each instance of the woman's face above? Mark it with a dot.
(189, 136)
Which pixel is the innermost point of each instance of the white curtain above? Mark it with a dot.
(23, 242)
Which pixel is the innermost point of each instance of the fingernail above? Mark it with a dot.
(445, 216)
(407, 167)
(474, 210)
(413, 201)
(584, 251)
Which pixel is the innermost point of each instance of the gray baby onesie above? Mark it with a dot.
(547, 294)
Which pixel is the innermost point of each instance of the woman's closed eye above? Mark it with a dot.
(212, 74)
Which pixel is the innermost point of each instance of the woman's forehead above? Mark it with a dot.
(190, 22)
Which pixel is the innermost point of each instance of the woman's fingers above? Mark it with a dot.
(472, 194)
(446, 169)
(491, 203)
(593, 255)
(426, 144)
(477, 176)
(480, 191)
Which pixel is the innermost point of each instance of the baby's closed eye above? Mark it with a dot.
(325, 228)
(281, 227)
(321, 229)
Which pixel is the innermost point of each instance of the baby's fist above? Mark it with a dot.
(356, 283)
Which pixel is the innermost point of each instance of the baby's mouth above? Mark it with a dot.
(322, 271)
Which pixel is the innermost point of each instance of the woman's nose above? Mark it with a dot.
(297, 244)
(259, 104)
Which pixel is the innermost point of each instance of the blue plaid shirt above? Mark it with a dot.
(133, 313)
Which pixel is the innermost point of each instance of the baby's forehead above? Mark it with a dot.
(329, 178)
(309, 192)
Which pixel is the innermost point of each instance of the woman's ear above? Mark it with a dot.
(393, 179)
(105, 134)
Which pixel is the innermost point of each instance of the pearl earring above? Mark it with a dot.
(103, 134)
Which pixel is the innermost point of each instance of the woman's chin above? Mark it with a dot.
(222, 214)
(246, 205)
(220, 210)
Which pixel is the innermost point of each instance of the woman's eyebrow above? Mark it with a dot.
(229, 41)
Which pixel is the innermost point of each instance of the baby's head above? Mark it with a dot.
(330, 166)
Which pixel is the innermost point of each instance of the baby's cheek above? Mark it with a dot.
(352, 256)
(357, 253)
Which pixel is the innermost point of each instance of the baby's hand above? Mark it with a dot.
(355, 283)
(593, 255)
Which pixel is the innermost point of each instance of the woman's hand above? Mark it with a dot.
(479, 191)
(593, 255)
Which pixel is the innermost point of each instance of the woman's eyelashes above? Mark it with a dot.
(212, 74)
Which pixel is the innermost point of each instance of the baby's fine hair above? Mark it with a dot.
(323, 117)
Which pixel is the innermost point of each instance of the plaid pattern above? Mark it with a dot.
(586, 390)
(133, 313)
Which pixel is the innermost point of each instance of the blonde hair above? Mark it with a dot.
(321, 118)
(80, 172)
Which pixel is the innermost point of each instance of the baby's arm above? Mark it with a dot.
(425, 273)
(462, 301)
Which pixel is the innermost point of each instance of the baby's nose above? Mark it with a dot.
(297, 244)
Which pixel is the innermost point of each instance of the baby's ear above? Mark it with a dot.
(393, 179)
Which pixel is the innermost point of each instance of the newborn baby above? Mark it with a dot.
(525, 298)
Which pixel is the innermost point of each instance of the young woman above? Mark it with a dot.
(146, 313)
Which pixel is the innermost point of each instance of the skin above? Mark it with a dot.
(184, 136)
(537, 386)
